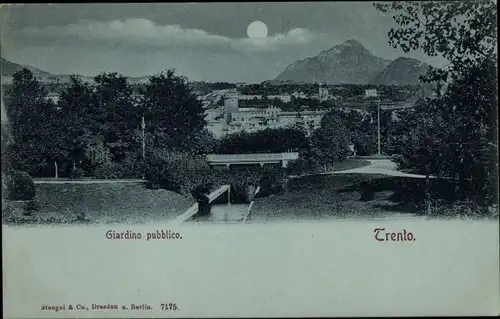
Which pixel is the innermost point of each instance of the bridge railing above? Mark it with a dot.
(258, 156)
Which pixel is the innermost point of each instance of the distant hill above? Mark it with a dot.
(9, 68)
(402, 71)
(351, 63)
(346, 63)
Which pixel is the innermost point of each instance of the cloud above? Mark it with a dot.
(142, 33)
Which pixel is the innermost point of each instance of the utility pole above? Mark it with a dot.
(378, 120)
(143, 126)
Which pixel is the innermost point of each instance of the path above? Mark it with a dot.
(378, 166)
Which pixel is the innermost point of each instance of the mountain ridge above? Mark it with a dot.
(9, 68)
(351, 63)
(402, 71)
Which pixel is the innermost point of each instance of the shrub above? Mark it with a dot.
(367, 191)
(273, 180)
(126, 169)
(77, 173)
(179, 172)
(17, 185)
(108, 171)
(241, 179)
(298, 166)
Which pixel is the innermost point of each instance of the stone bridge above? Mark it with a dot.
(257, 158)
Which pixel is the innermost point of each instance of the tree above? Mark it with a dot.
(6, 147)
(32, 124)
(78, 122)
(264, 141)
(330, 143)
(462, 32)
(360, 127)
(117, 116)
(199, 143)
(454, 135)
(172, 111)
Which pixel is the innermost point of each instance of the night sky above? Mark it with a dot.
(203, 41)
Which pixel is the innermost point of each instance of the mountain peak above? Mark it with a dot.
(406, 59)
(349, 47)
(352, 42)
(349, 62)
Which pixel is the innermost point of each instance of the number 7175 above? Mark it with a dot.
(168, 306)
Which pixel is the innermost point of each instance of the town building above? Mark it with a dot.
(301, 95)
(53, 96)
(371, 93)
(250, 97)
(323, 94)
(285, 97)
(230, 118)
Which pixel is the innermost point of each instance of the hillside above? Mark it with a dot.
(346, 63)
(8, 69)
(402, 71)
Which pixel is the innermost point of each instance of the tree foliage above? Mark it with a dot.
(455, 135)
(330, 142)
(172, 111)
(265, 141)
(97, 127)
(31, 117)
(462, 32)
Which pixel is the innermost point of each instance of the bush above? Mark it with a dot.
(77, 173)
(17, 185)
(367, 192)
(108, 171)
(297, 167)
(179, 172)
(126, 169)
(241, 179)
(187, 174)
(273, 180)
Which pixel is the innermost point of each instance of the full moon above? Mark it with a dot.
(257, 29)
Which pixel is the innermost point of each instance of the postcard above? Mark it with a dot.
(278, 159)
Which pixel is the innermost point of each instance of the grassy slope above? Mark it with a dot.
(324, 196)
(350, 163)
(125, 202)
(317, 197)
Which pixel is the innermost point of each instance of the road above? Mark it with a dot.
(378, 166)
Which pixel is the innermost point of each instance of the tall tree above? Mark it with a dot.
(118, 116)
(456, 134)
(330, 142)
(172, 112)
(31, 123)
(77, 122)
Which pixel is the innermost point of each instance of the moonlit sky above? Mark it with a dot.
(205, 41)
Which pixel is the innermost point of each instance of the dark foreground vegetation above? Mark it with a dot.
(369, 195)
